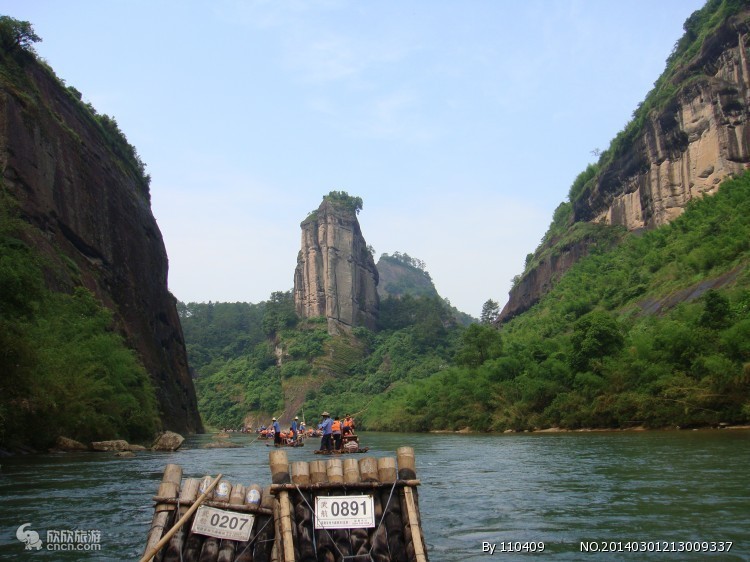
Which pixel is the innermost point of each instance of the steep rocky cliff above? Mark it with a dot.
(81, 187)
(336, 276)
(685, 150)
(691, 133)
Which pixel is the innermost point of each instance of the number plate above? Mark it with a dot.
(344, 512)
(222, 524)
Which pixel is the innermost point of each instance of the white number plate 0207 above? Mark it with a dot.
(222, 524)
(344, 512)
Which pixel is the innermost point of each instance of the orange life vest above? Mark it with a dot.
(336, 426)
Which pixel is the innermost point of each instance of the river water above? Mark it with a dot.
(610, 490)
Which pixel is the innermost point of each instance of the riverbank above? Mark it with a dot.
(637, 428)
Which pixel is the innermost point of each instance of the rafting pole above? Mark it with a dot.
(168, 535)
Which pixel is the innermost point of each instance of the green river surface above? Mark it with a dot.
(673, 490)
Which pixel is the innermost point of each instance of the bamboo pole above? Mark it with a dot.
(325, 486)
(187, 497)
(416, 533)
(300, 515)
(265, 538)
(251, 498)
(194, 541)
(286, 527)
(303, 514)
(228, 547)
(406, 463)
(210, 549)
(279, 467)
(318, 472)
(187, 503)
(325, 550)
(168, 535)
(169, 487)
(388, 473)
(359, 539)
(277, 551)
(335, 470)
(377, 537)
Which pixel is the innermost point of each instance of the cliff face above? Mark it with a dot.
(685, 151)
(699, 138)
(539, 280)
(92, 218)
(336, 276)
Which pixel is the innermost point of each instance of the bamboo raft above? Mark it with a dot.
(337, 510)
(341, 451)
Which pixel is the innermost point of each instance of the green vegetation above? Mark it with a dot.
(339, 199)
(343, 199)
(683, 70)
(18, 69)
(246, 361)
(649, 332)
(678, 75)
(410, 276)
(245, 355)
(490, 312)
(63, 369)
(652, 333)
(17, 35)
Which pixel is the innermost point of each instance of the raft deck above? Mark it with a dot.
(334, 510)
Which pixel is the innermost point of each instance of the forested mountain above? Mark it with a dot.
(655, 332)
(90, 340)
(402, 275)
(634, 310)
(254, 361)
(690, 132)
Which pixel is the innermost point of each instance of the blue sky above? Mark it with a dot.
(461, 124)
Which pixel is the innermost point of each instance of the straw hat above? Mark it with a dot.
(325, 414)
(274, 419)
(296, 418)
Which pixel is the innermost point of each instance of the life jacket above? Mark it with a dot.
(336, 426)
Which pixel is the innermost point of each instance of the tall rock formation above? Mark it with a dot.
(82, 188)
(695, 139)
(336, 275)
(685, 150)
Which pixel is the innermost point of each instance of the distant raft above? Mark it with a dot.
(334, 510)
(350, 445)
(287, 443)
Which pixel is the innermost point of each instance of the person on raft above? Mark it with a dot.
(325, 427)
(336, 432)
(348, 425)
(276, 433)
(293, 429)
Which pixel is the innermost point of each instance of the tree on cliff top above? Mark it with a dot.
(342, 198)
(15, 34)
